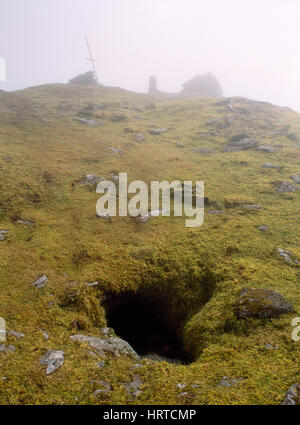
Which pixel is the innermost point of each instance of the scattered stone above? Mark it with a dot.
(268, 165)
(53, 359)
(106, 216)
(113, 345)
(183, 394)
(118, 118)
(179, 145)
(46, 336)
(139, 137)
(26, 222)
(15, 334)
(296, 178)
(216, 212)
(89, 122)
(286, 255)
(267, 149)
(204, 151)
(7, 348)
(292, 136)
(40, 282)
(292, 396)
(91, 179)
(228, 382)
(92, 284)
(271, 347)
(3, 234)
(238, 137)
(157, 131)
(181, 386)
(287, 187)
(263, 228)
(244, 144)
(249, 206)
(100, 364)
(91, 353)
(213, 121)
(115, 150)
(261, 304)
(134, 387)
(107, 388)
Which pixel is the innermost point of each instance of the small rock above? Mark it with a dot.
(53, 360)
(100, 364)
(183, 394)
(113, 345)
(267, 149)
(139, 137)
(228, 382)
(244, 144)
(287, 187)
(261, 304)
(3, 234)
(115, 150)
(250, 206)
(296, 178)
(40, 282)
(106, 216)
(46, 336)
(286, 255)
(216, 212)
(157, 131)
(134, 387)
(204, 151)
(105, 385)
(91, 179)
(26, 222)
(271, 347)
(7, 348)
(181, 386)
(263, 228)
(15, 334)
(269, 165)
(238, 137)
(91, 123)
(292, 396)
(92, 284)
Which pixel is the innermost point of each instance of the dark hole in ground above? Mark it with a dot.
(138, 320)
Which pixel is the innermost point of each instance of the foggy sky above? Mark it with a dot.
(252, 46)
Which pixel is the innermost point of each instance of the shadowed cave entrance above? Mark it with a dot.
(141, 321)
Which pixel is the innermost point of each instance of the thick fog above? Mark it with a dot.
(252, 46)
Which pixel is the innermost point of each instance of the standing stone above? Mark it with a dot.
(152, 85)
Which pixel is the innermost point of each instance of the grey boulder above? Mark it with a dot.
(40, 282)
(261, 304)
(53, 359)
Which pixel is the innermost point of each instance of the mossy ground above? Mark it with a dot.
(44, 153)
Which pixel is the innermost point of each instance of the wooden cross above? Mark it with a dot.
(91, 59)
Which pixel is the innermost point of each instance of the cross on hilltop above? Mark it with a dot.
(91, 59)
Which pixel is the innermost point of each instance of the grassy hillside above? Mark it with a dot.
(192, 277)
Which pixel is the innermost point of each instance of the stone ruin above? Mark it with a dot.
(206, 85)
(86, 79)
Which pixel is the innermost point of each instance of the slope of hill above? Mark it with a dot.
(168, 290)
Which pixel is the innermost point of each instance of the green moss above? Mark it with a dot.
(198, 273)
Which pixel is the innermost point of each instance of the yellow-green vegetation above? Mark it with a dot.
(195, 274)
